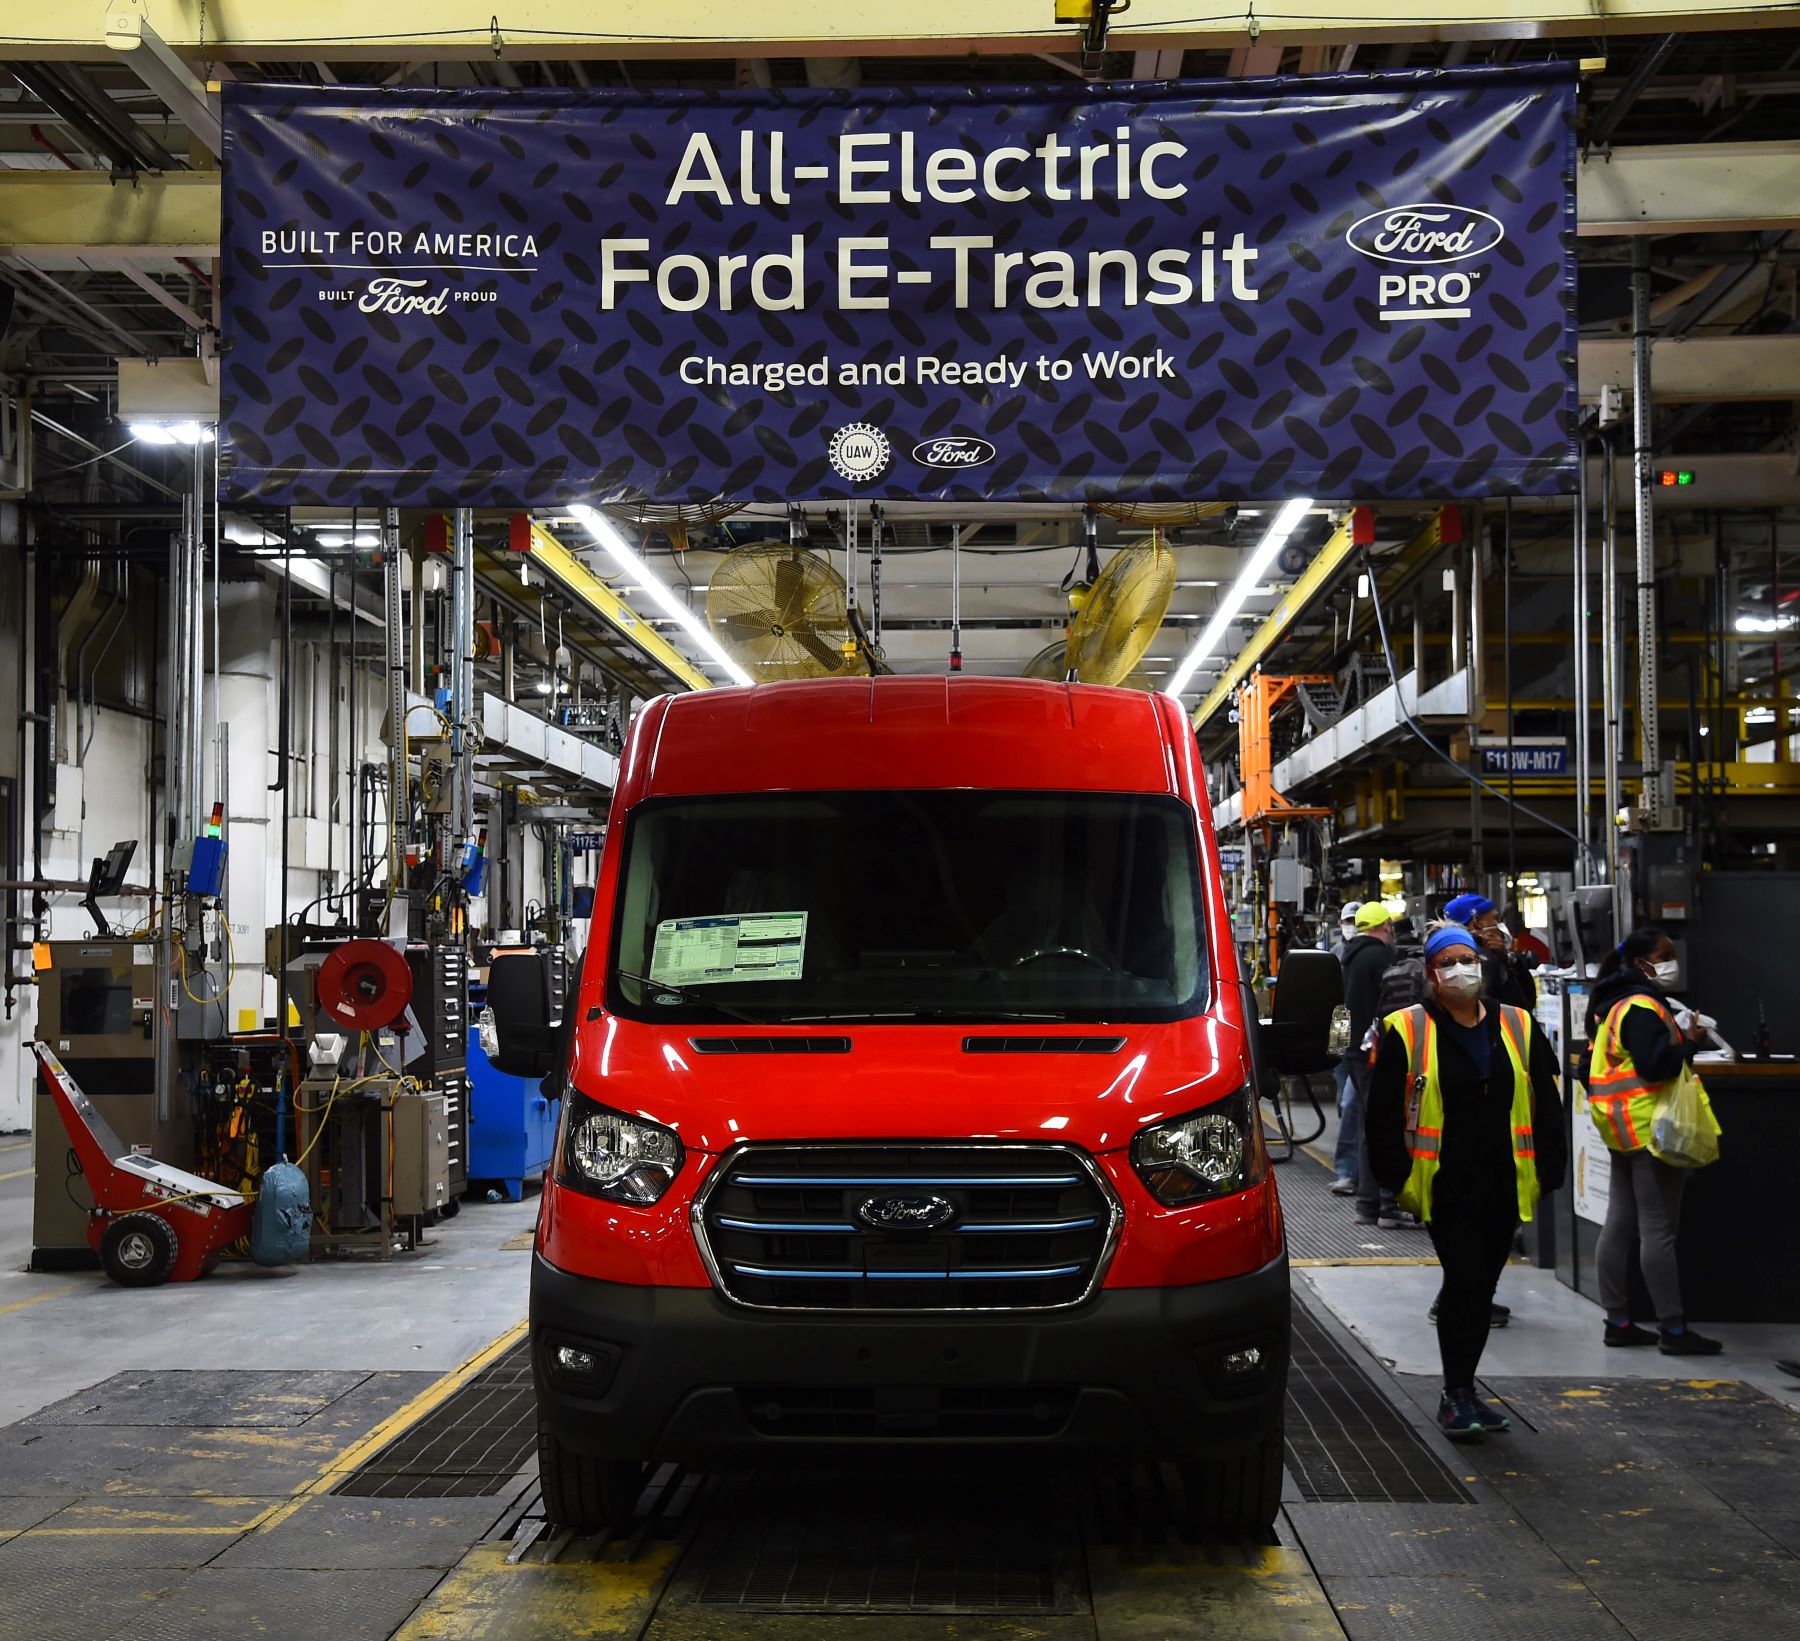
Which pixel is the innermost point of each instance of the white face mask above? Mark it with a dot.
(1459, 979)
(1666, 974)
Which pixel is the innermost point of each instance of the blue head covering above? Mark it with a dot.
(1466, 908)
(1440, 939)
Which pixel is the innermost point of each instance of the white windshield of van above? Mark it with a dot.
(912, 905)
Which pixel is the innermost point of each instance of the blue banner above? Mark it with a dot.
(1339, 286)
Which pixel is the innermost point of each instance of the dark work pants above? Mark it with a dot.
(1473, 1240)
(1642, 1212)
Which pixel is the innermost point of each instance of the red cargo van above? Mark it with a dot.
(910, 1098)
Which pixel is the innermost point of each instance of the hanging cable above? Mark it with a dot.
(1430, 745)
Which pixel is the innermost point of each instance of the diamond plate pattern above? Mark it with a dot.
(523, 386)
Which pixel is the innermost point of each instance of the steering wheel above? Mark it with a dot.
(1058, 951)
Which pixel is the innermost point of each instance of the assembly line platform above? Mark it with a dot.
(185, 1462)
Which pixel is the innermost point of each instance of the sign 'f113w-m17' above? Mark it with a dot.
(1348, 285)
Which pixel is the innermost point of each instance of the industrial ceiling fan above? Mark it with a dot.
(780, 610)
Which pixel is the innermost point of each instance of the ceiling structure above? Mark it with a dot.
(70, 108)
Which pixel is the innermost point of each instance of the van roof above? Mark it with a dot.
(956, 731)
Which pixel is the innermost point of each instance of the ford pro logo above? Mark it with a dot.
(895, 1213)
(1424, 233)
(953, 452)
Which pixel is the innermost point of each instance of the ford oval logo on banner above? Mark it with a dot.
(953, 452)
(1425, 233)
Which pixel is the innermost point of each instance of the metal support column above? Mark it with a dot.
(1609, 665)
(1584, 824)
(395, 633)
(1651, 799)
(462, 679)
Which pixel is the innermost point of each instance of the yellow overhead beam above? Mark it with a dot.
(564, 568)
(346, 30)
(1313, 580)
(67, 213)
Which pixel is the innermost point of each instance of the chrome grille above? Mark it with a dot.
(1024, 1227)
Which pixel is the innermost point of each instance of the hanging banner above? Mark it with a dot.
(1339, 286)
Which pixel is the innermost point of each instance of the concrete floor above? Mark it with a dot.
(423, 1313)
(170, 1465)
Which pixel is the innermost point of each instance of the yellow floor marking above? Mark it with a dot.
(23, 1145)
(520, 1244)
(433, 1395)
(1368, 1261)
(484, 1599)
(1272, 1596)
(35, 1299)
(18, 1173)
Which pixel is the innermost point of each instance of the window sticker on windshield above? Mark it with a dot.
(699, 951)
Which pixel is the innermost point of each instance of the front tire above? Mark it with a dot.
(1239, 1496)
(139, 1250)
(585, 1494)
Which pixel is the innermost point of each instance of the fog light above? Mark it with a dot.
(571, 1360)
(1239, 1362)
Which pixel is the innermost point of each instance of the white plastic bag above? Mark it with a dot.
(1684, 1133)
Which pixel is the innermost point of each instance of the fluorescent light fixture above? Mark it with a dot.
(1764, 623)
(1261, 557)
(343, 538)
(186, 432)
(607, 535)
(1362, 585)
(1760, 715)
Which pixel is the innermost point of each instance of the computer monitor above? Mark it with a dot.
(1591, 927)
(107, 877)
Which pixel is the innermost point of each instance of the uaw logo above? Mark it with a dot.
(860, 452)
(1422, 236)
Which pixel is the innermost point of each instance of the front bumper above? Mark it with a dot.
(682, 1373)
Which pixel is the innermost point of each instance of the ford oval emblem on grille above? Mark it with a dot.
(897, 1213)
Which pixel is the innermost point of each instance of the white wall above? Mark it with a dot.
(107, 796)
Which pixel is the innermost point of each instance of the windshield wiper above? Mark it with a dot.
(963, 1016)
(689, 995)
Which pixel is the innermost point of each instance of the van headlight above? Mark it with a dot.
(624, 1159)
(1208, 1153)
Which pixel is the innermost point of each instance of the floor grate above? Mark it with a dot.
(1346, 1443)
(1320, 1227)
(470, 1447)
(778, 1541)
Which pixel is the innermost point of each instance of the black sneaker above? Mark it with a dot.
(1628, 1333)
(1459, 1416)
(1489, 1419)
(1685, 1342)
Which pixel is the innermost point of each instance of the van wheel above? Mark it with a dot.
(1240, 1496)
(138, 1250)
(584, 1494)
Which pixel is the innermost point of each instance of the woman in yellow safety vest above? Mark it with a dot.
(1465, 1123)
(1641, 1049)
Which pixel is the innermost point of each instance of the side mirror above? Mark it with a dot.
(1308, 992)
(527, 1033)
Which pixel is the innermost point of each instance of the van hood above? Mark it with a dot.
(907, 1082)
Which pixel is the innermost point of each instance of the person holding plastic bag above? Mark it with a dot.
(1652, 1111)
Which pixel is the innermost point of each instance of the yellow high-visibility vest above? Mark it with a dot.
(1425, 1105)
(1621, 1102)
